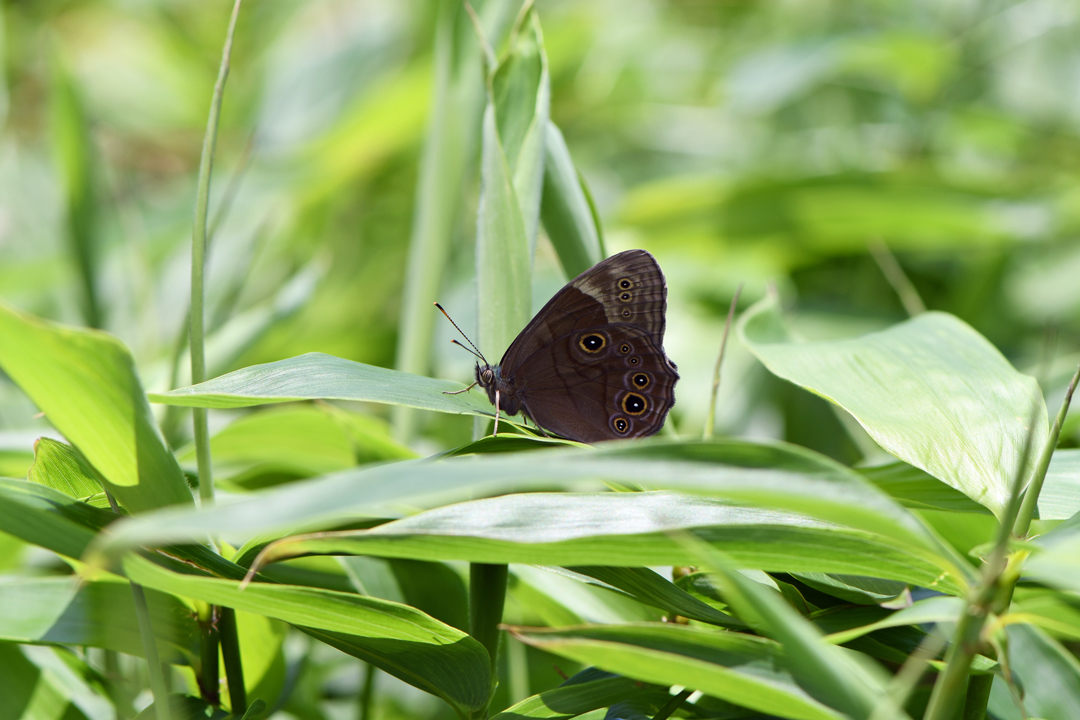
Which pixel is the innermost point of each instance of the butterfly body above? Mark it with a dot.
(591, 365)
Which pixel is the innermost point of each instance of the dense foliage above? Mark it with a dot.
(883, 523)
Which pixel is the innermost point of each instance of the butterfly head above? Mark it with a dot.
(491, 379)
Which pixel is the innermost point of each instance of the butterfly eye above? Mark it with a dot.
(635, 360)
(626, 312)
(641, 381)
(634, 404)
(624, 348)
(626, 297)
(621, 425)
(592, 343)
(625, 284)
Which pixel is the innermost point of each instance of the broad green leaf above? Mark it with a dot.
(1049, 674)
(627, 529)
(568, 219)
(649, 587)
(503, 262)
(931, 391)
(298, 441)
(780, 477)
(828, 672)
(1060, 495)
(741, 669)
(101, 613)
(522, 95)
(401, 640)
(317, 376)
(85, 383)
(576, 698)
(917, 489)
(31, 692)
(62, 468)
(560, 597)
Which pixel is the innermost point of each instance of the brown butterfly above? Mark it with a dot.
(591, 364)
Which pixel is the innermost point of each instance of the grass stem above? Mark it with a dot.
(157, 677)
(896, 277)
(710, 419)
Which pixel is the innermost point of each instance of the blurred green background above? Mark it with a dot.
(755, 143)
(741, 142)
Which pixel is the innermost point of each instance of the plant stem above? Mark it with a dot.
(209, 671)
(710, 419)
(153, 664)
(1031, 497)
(487, 594)
(952, 683)
(230, 653)
(672, 705)
(895, 275)
(198, 266)
(978, 695)
(367, 693)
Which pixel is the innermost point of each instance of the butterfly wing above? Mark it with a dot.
(598, 296)
(617, 384)
(591, 365)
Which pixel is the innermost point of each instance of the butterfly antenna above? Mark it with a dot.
(447, 315)
(469, 349)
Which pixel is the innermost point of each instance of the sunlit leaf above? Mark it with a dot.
(931, 391)
(86, 384)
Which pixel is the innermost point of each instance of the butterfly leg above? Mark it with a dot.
(496, 430)
(458, 392)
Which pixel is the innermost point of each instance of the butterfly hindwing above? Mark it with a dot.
(618, 384)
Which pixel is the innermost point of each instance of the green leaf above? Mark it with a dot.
(1049, 674)
(74, 155)
(829, 673)
(449, 147)
(568, 218)
(929, 610)
(627, 529)
(1060, 495)
(69, 611)
(931, 391)
(295, 442)
(317, 376)
(399, 639)
(86, 384)
(503, 262)
(49, 518)
(781, 477)
(741, 669)
(649, 587)
(32, 692)
(577, 698)
(63, 468)
(522, 95)
(917, 489)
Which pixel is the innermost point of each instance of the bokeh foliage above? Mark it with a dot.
(764, 144)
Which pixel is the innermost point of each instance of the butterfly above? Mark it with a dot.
(591, 365)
